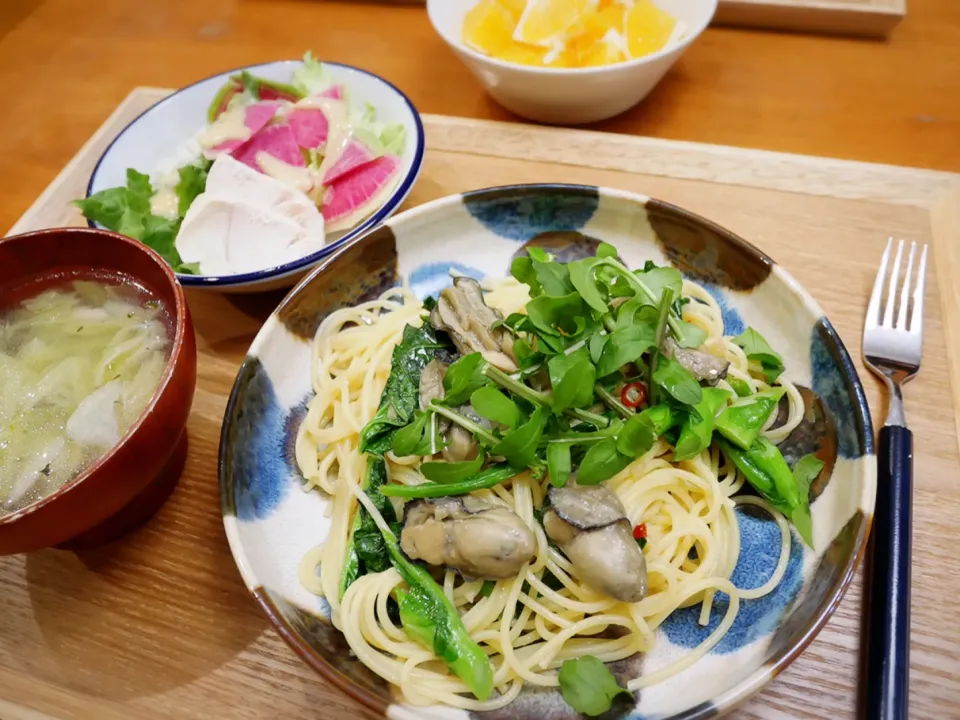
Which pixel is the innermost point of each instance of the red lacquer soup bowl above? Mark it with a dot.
(131, 481)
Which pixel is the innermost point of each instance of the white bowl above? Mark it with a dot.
(159, 132)
(564, 95)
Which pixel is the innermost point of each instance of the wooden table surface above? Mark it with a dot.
(66, 64)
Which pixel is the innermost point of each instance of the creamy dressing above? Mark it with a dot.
(341, 129)
(165, 202)
(302, 179)
(229, 126)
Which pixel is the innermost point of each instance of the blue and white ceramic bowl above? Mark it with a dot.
(270, 522)
(158, 133)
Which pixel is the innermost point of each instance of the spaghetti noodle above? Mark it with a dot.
(529, 624)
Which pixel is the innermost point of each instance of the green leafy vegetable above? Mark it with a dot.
(552, 278)
(493, 475)
(757, 349)
(452, 472)
(596, 345)
(562, 315)
(741, 422)
(697, 430)
(480, 432)
(366, 551)
(571, 377)
(636, 312)
(601, 462)
(415, 438)
(740, 387)
(311, 77)
(432, 620)
(606, 250)
(642, 430)
(519, 446)
(401, 395)
(121, 208)
(766, 470)
(379, 137)
(250, 84)
(583, 279)
(192, 182)
(491, 403)
(160, 234)
(588, 686)
(658, 279)
(558, 463)
(804, 473)
(677, 381)
(463, 378)
(625, 346)
(487, 588)
(126, 210)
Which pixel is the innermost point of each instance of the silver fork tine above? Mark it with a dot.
(892, 288)
(905, 290)
(873, 308)
(916, 320)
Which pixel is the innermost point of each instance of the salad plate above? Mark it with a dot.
(312, 155)
(272, 524)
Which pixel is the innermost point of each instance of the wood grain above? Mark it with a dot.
(66, 64)
(160, 626)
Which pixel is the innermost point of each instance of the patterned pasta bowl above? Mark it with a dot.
(272, 524)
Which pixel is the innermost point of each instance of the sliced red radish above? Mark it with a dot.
(355, 195)
(354, 155)
(310, 127)
(255, 118)
(275, 140)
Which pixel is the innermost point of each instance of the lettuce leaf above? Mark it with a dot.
(311, 77)
(381, 138)
(126, 210)
(193, 181)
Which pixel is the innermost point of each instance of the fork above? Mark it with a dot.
(892, 348)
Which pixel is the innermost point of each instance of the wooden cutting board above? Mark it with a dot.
(160, 625)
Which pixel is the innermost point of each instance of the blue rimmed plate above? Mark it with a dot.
(270, 523)
(157, 134)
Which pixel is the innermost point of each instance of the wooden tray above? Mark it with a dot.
(866, 18)
(160, 625)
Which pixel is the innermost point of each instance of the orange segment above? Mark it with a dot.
(524, 54)
(612, 17)
(514, 7)
(488, 27)
(548, 22)
(606, 51)
(648, 28)
(567, 33)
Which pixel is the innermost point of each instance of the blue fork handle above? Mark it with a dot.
(888, 629)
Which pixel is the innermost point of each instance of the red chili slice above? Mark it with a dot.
(640, 532)
(633, 394)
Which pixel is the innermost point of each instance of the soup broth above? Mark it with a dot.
(79, 362)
